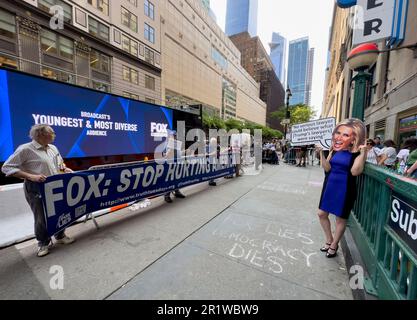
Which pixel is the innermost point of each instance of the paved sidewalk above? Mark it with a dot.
(253, 237)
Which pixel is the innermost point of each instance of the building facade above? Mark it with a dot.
(242, 16)
(309, 78)
(278, 56)
(298, 76)
(109, 48)
(257, 63)
(391, 99)
(201, 65)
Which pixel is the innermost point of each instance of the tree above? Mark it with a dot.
(298, 114)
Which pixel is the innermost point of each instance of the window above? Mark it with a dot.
(101, 86)
(99, 61)
(149, 100)
(80, 17)
(130, 95)
(54, 44)
(130, 75)
(149, 55)
(219, 58)
(129, 20)
(102, 5)
(117, 36)
(58, 75)
(134, 2)
(98, 29)
(149, 82)
(129, 45)
(149, 33)
(46, 4)
(7, 25)
(8, 62)
(149, 9)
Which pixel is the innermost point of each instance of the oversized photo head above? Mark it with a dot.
(349, 135)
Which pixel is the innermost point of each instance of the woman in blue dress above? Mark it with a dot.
(345, 162)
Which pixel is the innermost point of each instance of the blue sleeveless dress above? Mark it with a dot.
(339, 188)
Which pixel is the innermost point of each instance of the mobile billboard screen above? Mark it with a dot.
(87, 123)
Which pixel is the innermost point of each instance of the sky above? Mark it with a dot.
(293, 19)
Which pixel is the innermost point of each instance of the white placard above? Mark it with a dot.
(314, 132)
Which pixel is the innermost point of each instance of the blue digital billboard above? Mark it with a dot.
(87, 123)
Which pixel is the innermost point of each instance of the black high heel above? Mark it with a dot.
(324, 249)
(332, 255)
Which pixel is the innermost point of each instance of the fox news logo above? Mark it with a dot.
(159, 129)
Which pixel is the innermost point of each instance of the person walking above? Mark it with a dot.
(345, 162)
(34, 162)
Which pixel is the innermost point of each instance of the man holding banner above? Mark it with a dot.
(34, 162)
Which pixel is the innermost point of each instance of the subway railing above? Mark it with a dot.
(384, 226)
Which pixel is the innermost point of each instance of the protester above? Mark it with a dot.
(34, 162)
(302, 158)
(373, 153)
(173, 151)
(345, 162)
(388, 155)
(212, 152)
(411, 169)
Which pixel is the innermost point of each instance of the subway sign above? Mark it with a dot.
(377, 20)
(403, 220)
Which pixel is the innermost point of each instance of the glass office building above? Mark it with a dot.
(298, 58)
(242, 16)
(278, 55)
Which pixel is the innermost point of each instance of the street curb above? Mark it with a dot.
(353, 257)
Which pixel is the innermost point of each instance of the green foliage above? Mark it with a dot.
(214, 122)
(299, 113)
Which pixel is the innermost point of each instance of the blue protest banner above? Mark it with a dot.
(67, 197)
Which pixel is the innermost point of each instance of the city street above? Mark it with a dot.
(252, 237)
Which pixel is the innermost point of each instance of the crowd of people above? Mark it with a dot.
(402, 160)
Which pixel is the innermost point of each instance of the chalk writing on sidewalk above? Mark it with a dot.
(267, 245)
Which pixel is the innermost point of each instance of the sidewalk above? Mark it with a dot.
(253, 237)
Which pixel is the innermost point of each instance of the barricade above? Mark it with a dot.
(384, 226)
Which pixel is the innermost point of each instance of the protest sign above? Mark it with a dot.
(67, 197)
(313, 132)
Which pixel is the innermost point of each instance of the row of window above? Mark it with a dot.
(131, 75)
(103, 6)
(136, 97)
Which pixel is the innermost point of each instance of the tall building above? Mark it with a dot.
(257, 63)
(242, 16)
(278, 55)
(300, 62)
(206, 4)
(201, 65)
(309, 79)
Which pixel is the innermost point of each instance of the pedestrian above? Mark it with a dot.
(212, 156)
(401, 161)
(173, 151)
(388, 155)
(345, 162)
(411, 169)
(34, 162)
(373, 153)
(378, 142)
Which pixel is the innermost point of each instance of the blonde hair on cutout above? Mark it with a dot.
(359, 132)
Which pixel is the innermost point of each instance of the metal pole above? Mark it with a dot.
(359, 100)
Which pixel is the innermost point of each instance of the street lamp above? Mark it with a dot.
(287, 111)
(360, 59)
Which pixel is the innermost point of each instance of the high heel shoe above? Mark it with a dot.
(332, 255)
(324, 249)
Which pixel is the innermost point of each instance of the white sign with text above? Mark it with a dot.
(314, 132)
